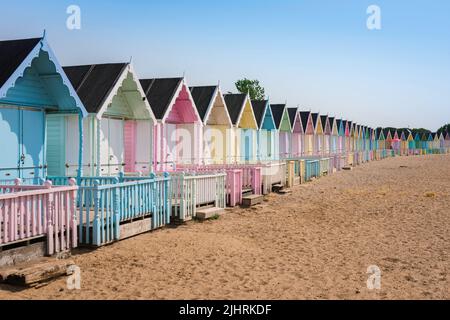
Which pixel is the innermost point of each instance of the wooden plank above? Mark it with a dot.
(36, 273)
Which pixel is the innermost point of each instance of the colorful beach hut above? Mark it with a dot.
(244, 131)
(297, 132)
(347, 130)
(341, 138)
(308, 126)
(388, 139)
(266, 130)
(334, 136)
(217, 124)
(33, 88)
(326, 138)
(318, 134)
(177, 136)
(284, 129)
(118, 132)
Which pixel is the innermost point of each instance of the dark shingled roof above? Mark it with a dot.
(277, 112)
(203, 97)
(315, 117)
(304, 116)
(259, 107)
(292, 113)
(323, 119)
(235, 103)
(12, 54)
(338, 124)
(93, 83)
(159, 93)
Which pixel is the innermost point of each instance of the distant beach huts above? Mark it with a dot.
(93, 154)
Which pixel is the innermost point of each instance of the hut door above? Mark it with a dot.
(111, 146)
(9, 143)
(116, 148)
(143, 146)
(31, 162)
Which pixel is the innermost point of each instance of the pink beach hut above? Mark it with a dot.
(297, 132)
(177, 137)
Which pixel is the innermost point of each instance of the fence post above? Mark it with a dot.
(50, 216)
(116, 195)
(73, 208)
(167, 205)
(121, 176)
(154, 197)
(96, 235)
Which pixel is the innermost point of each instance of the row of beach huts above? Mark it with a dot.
(93, 154)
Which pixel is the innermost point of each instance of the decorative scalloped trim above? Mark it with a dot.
(27, 63)
(114, 91)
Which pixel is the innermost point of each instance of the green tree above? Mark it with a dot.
(252, 87)
(445, 128)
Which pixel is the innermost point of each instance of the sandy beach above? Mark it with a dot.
(315, 243)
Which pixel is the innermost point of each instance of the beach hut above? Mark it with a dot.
(266, 130)
(318, 134)
(308, 126)
(216, 121)
(430, 142)
(334, 136)
(381, 141)
(388, 139)
(373, 143)
(424, 143)
(297, 132)
(396, 142)
(118, 132)
(341, 137)
(284, 128)
(326, 138)
(347, 130)
(177, 134)
(436, 143)
(35, 219)
(411, 143)
(33, 89)
(418, 143)
(244, 131)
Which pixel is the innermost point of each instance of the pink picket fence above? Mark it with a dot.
(250, 177)
(29, 212)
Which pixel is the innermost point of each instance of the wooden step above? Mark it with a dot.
(347, 168)
(208, 213)
(252, 200)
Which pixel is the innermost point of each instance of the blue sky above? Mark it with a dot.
(316, 54)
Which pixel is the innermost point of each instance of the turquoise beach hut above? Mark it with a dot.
(32, 86)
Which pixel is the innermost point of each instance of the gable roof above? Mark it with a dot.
(94, 83)
(203, 98)
(278, 113)
(292, 112)
(16, 56)
(315, 118)
(160, 93)
(259, 109)
(235, 104)
(304, 117)
(12, 54)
